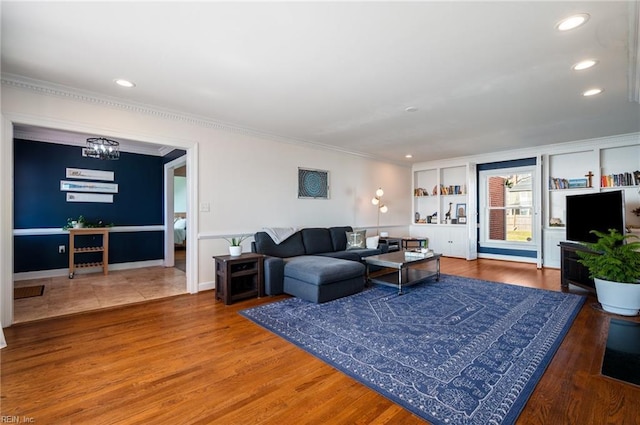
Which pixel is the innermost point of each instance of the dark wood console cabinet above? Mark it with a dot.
(572, 272)
(239, 277)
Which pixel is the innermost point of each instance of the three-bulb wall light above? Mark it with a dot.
(382, 208)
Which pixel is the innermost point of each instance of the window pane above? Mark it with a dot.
(510, 203)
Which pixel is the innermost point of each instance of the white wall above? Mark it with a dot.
(248, 181)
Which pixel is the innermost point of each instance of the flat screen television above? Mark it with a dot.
(594, 211)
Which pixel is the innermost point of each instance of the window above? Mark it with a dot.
(507, 198)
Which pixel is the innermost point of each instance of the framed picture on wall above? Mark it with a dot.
(313, 184)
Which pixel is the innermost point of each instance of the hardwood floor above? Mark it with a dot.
(191, 360)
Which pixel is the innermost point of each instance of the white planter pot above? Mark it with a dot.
(234, 251)
(618, 298)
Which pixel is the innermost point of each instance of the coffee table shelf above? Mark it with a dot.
(405, 273)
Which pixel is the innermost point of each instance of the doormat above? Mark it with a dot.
(28, 292)
(622, 355)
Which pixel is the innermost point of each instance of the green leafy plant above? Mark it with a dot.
(611, 258)
(71, 223)
(236, 241)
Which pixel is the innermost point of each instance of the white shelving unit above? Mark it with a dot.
(566, 173)
(437, 192)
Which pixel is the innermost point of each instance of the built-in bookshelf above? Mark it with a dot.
(440, 209)
(589, 170)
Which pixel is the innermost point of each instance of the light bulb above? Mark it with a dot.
(379, 192)
(384, 209)
(375, 201)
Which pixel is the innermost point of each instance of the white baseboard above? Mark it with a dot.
(205, 286)
(42, 274)
(508, 258)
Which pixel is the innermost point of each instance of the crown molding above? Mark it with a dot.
(58, 90)
(633, 73)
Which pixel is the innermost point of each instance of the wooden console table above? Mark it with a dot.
(572, 272)
(73, 251)
(239, 277)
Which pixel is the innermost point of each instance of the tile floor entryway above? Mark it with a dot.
(93, 291)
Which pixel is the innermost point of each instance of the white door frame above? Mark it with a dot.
(6, 196)
(169, 250)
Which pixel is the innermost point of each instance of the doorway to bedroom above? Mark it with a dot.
(180, 217)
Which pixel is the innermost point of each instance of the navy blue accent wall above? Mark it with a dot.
(39, 203)
(506, 164)
(511, 252)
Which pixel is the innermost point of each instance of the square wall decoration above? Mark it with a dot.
(313, 184)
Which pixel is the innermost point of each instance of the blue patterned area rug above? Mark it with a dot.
(458, 351)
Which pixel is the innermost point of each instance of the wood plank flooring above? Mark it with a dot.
(190, 360)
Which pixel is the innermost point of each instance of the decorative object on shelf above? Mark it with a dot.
(589, 177)
(447, 216)
(417, 217)
(313, 184)
(102, 148)
(615, 268)
(235, 247)
(382, 208)
(461, 210)
(555, 222)
(80, 173)
(81, 222)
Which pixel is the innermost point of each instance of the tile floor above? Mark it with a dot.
(93, 291)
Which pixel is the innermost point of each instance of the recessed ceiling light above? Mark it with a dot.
(124, 83)
(572, 22)
(408, 156)
(411, 109)
(592, 92)
(586, 64)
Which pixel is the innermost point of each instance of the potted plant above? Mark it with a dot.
(614, 265)
(235, 247)
(74, 223)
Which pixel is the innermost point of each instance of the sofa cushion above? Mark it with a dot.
(318, 270)
(339, 237)
(290, 247)
(316, 240)
(357, 239)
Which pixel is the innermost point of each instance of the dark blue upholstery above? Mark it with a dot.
(316, 240)
(339, 237)
(291, 247)
(313, 264)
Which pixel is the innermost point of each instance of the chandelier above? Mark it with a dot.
(101, 148)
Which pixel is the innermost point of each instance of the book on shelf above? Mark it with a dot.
(620, 179)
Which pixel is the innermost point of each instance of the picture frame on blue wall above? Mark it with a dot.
(85, 174)
(90, 197)
(98, 187)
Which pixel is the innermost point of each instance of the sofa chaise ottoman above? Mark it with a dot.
(315, 264)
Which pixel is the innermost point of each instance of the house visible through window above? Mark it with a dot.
(510, 206)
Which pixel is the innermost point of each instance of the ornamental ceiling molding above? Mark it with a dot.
(633, 74)
(57, 90)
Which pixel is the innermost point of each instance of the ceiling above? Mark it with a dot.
(481, 76)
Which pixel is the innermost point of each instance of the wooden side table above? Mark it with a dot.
(73, 250)
(239, 277)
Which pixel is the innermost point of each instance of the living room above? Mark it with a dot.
(241, 180)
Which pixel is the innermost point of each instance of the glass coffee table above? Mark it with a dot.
(406, 274)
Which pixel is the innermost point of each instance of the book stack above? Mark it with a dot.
(418, 253)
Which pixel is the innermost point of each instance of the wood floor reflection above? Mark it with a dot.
(93, 291)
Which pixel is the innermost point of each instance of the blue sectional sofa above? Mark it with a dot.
(314, 264)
